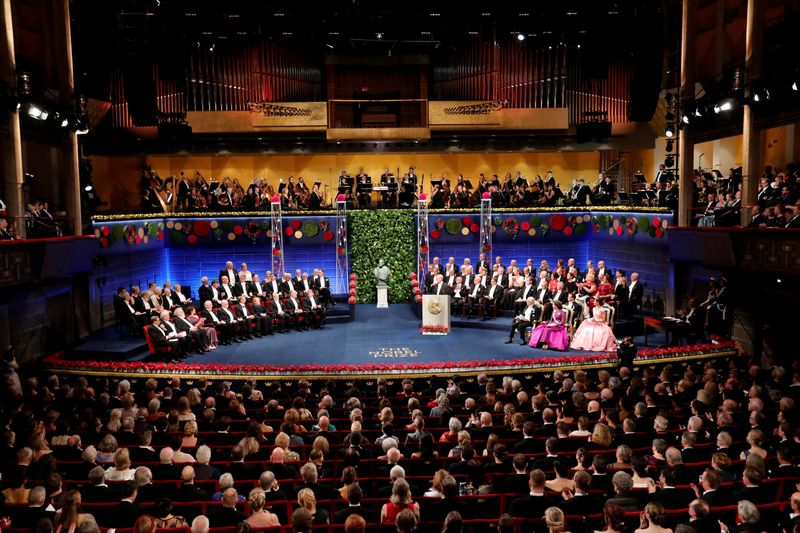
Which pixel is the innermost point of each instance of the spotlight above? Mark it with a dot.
(698, 113)
(35, 112)
(685, 119)
(521, 37)
(88, 188)
(669, 162)
(670, 145)
(211, 48)
(670, 131)
(45, 114)
(725, 106)
(24, 84)
(379, 36)
(794, 86)
(64, 123)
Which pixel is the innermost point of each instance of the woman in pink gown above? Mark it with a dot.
(552, 335)
(594, 333)
(200, 323)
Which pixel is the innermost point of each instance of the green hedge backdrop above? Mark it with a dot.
(382, 234)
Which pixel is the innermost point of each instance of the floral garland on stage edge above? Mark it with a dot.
(648, 356)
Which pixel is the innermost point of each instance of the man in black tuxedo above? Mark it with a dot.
(635, 293)
(700, 518)
(294, 308)
(752, 489)
(239, 328)
(522, 321)
(315, 311)
(710, 490)
(560, 295)
(430, 278)
(227, 515)
(691, 324)
(439, 509)
(226, 291)
(164, 341)
(304, 285)
(228, 272)
(669, 496)
(148, 491)
(528, 445)
(261, 317)
(279, 313)
(520, 297)
(354, 495)
(256, 287)
(474, 296)
(323, 287)
(239, 469)
(212, 318)
(458, 297)
(245, 318)
(280, 470)
(127, 511)
(580, 502)
(541, 297)
(189, 492)
(439, 287)
(243, 288)
(535, 504)
(271, 284)
(516, 483)
(197, 335)
(491, 298)
(28, 517)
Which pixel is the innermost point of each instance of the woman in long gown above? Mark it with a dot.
(552, 335)
(594, 334)
(210, 331)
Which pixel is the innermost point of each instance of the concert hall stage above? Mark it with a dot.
(376, 342)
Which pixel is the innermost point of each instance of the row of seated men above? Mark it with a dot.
(225, 313)
(484, 289)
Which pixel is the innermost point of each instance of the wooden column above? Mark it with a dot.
(685, 144)
(11, 144)
(751, 135)
(72, 184)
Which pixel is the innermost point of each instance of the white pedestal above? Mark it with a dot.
(435, 314)
(383, 297)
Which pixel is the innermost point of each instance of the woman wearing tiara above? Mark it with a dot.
(594, 334)
(552, 335)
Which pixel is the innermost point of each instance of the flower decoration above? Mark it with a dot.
(511, 226)
(351, 300)
(252, 230)
(453, 226)
(435, 234)
(340, 197)
(423, 196)
(631, 226)
(486, 196)
(310, 229)
(428, 328)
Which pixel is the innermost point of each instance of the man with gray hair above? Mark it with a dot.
(273, 493)
(29, 516)
(683, 476)
(189, 492)
(227, 515)
(623, 485)
(98, 491)
(747, 518)
(225, 482)
(148, 492)
(202, 470)
(309, 474)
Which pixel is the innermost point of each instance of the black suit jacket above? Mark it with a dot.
(672, 498)
(635, 294)
(513, 484)
(243, 471)
(151, 493)
(225, 517)
(28, 517)
(191, 493)
(125, 514)
(369, 516)
(582, 505)
(282, 471)
(531, 506)
(528, 446)
(141, 455)
(99, 494)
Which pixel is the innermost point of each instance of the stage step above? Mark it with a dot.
(107, 345)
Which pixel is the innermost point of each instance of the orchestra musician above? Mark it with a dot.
(315, 197)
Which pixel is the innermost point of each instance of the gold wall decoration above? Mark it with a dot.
(288, 114)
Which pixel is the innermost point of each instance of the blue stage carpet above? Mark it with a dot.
(374, 334)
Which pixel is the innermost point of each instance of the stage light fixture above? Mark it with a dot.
(35, 112)
(520, 36)
(794, 86)
(698, 113)
(669, 161)
(685, 119)
(88, 188)
(64, 123)
(669, 131)
(670, 145)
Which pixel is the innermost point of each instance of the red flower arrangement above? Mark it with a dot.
(650, 355)
(511, 226)
(427, 328)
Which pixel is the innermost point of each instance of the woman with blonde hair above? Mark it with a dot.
(145, 524)
(106, 449)
(121, 471)
(554, 519)
(601, 437)
(652, 519)
(282, 441)
(70, 516)
(190, 435)
(464, 438)
(322, 445)
(399, 501)
(349, 476)
(307, 501)
(114, 420)
(260, 517)
(755, 438)
(38, 444)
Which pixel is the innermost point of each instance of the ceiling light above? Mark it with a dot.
(211, 48)
(794, 86)
(35, 112)
(520, 36)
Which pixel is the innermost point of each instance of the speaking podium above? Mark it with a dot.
(435, 314)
